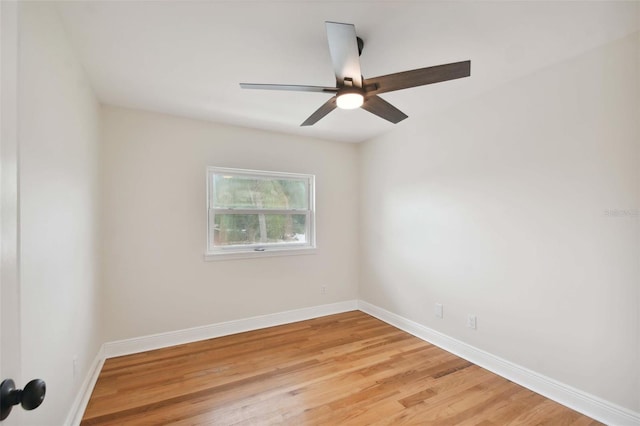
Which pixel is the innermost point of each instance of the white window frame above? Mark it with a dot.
(259, 250)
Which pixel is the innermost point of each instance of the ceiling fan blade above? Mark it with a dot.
(325, 109)
(419, 77)
(343, 47)
(383, 109)
(292, 87)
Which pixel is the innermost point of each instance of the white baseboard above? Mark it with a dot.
(576, 399)
(82, 399)
(590, 405)
(178, 337)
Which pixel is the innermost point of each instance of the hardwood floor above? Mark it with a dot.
(345, 369)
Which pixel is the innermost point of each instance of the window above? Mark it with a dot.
(256, 213)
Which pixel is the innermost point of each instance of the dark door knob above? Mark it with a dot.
(30, 397)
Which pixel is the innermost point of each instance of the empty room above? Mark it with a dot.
(320, 212)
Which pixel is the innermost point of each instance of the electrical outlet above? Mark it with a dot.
(75, 366)
(323, 290)
(472, 322)
(438, 310)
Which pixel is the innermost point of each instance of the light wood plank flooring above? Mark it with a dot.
(345, 369)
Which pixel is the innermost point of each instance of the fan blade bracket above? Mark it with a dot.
(370, 87)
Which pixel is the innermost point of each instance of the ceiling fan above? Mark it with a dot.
(353, 91)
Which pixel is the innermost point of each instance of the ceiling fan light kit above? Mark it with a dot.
(353, 90)
(349, 99)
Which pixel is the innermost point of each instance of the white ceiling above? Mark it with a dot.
(186, 58)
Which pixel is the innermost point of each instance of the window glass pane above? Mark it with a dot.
(251, 192)
(236, 229)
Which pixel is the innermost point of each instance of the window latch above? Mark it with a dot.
(258, 249)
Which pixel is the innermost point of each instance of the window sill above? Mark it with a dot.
(246, 254)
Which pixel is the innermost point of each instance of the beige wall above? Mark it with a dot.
(155, 278)
(59, 193)
(499, 208)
